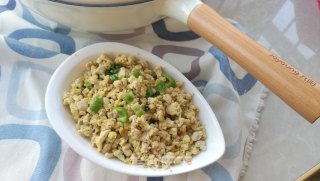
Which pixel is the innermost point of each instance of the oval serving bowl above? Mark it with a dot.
(63, 123)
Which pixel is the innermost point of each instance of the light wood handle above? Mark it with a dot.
(293, 87)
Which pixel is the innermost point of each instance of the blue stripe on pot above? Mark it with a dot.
(100, 5)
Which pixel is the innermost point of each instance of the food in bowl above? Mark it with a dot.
(136, 113)
(63, 123)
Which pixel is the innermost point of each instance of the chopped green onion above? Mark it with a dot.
(161, 86)
(137, 109)
(129, 97)
(154, 75)
(136, 146)
(114, 69)
(88, 85)
(183, 111)
(123, 114)
(140, 112)
(153, 121)
(113, 77)
(170, 82)
(96, 104)
(150, 92)
(136, 73)
(156, 93)
(146, 108)
(99, 77)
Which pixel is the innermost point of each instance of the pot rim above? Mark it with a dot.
(100, 5)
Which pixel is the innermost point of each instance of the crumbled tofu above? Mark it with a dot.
(112, 136)
(196, 135)
(82, 105)
(133, 120)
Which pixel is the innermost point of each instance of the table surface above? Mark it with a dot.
(286, 145)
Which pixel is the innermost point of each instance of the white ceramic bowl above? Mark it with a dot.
(62, 122)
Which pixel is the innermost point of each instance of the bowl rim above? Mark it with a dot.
(89, 153)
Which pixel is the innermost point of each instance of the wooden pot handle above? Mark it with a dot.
(293, 87)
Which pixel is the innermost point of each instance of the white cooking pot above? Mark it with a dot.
(111, 16)
(295, 88)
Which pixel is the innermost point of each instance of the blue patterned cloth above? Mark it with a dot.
(31, 48)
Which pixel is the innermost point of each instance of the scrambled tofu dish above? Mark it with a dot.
(135, 113)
